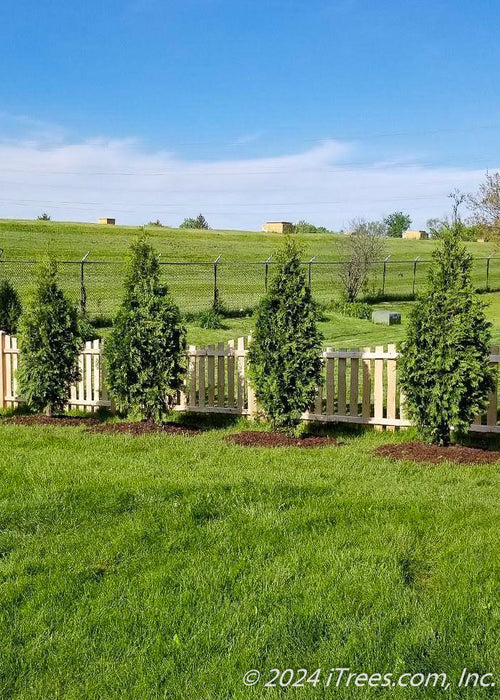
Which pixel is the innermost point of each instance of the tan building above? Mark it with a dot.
(415, 235)
(278, 227)
(106, 221)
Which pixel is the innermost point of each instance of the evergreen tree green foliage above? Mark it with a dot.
(302, 227)
(10, 308)
(445, 370)
(146, 349)
(49, 343)
(198, 222)
(284, 356)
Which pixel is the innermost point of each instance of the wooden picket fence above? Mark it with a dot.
(89, 394)
(360, 386)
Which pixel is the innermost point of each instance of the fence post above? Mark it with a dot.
(309, 265)
(2, 369)
(414, 274)
(383, 275)
(216, 291)
(488, 273)
(267, 272)
(83, 291)
(252, 402)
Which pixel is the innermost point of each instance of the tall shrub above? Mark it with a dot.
(10, 308)
(49, 343)
(146, 350)
(445, 371)
(284, 356)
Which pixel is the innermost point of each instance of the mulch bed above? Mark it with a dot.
(256, 438)
(420, 452)
(96, 426)
(143, 428)
(41, 419)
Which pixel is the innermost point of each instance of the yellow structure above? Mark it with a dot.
(415, 235)
(278, 227)
(106, 221)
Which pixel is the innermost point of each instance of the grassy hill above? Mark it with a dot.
(240, 286)
(70, 241)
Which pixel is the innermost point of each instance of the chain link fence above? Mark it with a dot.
(97, 286)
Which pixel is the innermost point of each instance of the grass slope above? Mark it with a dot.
(179, 564)
(240, 287)
(70, 241)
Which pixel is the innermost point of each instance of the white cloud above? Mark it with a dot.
(99, 177)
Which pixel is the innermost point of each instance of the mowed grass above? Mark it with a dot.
(166, 567)
(341, 331)
(25, 240)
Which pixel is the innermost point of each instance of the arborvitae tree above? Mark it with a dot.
(445, 371)
(285, 353)
(145, 353)
(10, 308)
(49, 343)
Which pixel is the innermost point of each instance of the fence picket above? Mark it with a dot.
(391, 387)
(252, 403)
(318, 402)
(201, 378)
(354, 388)
(2, 370)
(492, 412)
(192, 375)
(8, 373)
(96, 375)
(241, 373)
(88, 376)
(230, 373)
(330, 384)
(378, 390)
(221, 361)
(367, 387)
(211, 374)
(341, 396)
(15, 360)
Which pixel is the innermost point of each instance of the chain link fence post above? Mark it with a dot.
(267, 272)
(414, 274)
(488, 273)
(384, 274)
(216, 289)
(83, 291)
(309, 265)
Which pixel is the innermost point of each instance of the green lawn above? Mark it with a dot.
(170, 569)
(339, 331)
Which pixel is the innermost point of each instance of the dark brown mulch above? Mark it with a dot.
(420, 452)
(144, 427)
(256, 438)
(42, 419)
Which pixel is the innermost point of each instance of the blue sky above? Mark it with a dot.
(245, 110)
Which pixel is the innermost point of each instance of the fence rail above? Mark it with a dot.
(360, 386)
(96, 285)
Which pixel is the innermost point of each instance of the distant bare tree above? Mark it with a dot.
(366, 244)
(485, 206)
